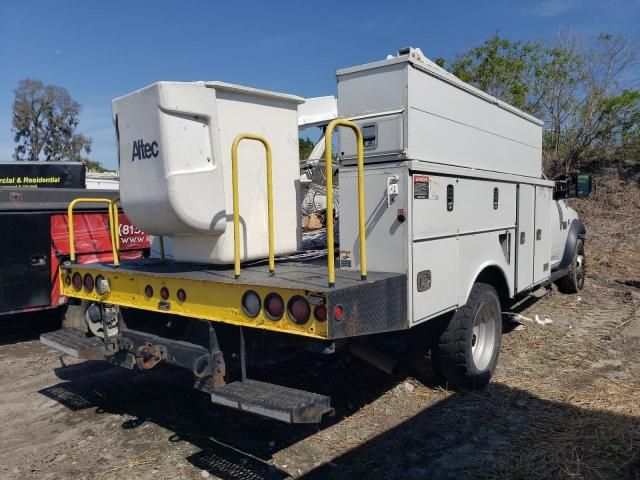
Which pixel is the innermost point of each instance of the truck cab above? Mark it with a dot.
(568, 259)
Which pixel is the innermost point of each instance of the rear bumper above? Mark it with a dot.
(135, 349)
(376, 305)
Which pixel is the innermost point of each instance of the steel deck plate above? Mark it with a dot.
(307, 276)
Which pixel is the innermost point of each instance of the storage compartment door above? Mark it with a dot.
(542, 249)
(525, 237)
(382, 135)
(386, 235)
(25, 246)
(435, 272)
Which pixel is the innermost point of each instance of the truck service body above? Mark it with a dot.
(445, 217)
(468, 175)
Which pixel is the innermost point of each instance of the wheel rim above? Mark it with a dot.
(93, 318)
(484, 336)
(580, 271)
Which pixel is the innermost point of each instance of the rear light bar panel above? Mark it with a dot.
(351, 308)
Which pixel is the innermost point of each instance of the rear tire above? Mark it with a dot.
(466, 353)
(573, 281)
(74, 316)
(87, 317)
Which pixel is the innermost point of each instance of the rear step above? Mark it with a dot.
(75, 343)
(274, 401)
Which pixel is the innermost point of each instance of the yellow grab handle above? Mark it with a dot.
(236, 214)
(115, 223)
(329, 174)
(72, 245)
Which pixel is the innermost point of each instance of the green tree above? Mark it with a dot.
(606, 110)
(577, 87)
(45, 118)
(305, 147)
(557, 84)
(504, 69)
(96, 166)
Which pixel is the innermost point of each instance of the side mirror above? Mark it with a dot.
(577, 186)
(584, 184)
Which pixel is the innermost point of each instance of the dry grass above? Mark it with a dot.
(578, 422)
(612, 217)
(582, 422)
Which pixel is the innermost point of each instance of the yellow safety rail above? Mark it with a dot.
(114, 223)
(72, 245)
(236, 214)
(329, 174)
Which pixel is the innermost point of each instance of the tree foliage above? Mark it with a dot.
(502, 68)
(578, 87)
(45, 118)
(96, 166)
(305, 147)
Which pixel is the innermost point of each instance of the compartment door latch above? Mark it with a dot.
(393, 189)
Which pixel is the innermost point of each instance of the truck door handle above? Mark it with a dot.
(538, 234)
(522, 238)
(38, 260)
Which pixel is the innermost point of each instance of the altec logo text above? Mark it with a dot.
(144, 150)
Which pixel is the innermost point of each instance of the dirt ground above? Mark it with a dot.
(564, 403)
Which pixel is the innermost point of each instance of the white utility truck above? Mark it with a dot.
(445, 218)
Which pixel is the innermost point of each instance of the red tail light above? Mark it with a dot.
(338, 312)
(299, 310)
(148, 291)
(88, 283)
(274, 306)
(164, 293)
(77, 281)
(67, 280)
(320, 312)
(181, 294)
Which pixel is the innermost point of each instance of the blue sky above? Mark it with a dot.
(99, 50)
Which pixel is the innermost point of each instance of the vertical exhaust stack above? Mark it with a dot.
(174, 147)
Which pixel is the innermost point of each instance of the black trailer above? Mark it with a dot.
(34, 240)
(42, 175)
